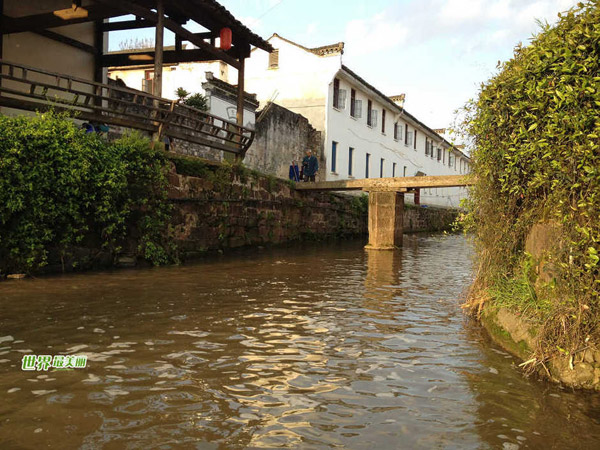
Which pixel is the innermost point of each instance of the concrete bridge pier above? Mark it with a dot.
(386, 211)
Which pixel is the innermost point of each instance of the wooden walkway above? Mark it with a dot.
(399, 184)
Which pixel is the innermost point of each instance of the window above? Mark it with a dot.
(426, 147)
(333, 156)
(406, 134)
(409, 138)
(383, 120)
(358, 109)
(397, 131)
(393, 169)
(404, 173)
(342, 99)
(381, 163)
(444, 156)
(336, 93)
(415, 141)
(370, 113)
(439, 154)
(353, 102)
(367, 161)
(374, 118)
(148, 81)
(350, 158)
(274, 59)
(449, 159)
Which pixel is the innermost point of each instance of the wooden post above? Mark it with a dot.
(386, 211)
(240, 103)
(158, 48)
(99, 51)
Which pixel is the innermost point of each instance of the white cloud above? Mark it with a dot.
(373, 34)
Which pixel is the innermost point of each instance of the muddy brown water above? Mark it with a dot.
(325, 346)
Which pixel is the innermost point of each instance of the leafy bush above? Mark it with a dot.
(197, 101)
(536, 131)
(60, 185)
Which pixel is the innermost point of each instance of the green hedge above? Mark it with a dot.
(536, 128)
(60, 185)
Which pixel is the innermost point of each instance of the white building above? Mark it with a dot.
(206, 78)
(366, 133)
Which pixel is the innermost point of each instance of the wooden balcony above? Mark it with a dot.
(28, 88)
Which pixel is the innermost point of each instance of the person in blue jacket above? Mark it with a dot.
(294, 172)
(310, 164)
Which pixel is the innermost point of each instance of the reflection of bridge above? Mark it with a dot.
(386, 201)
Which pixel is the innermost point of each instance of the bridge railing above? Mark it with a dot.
(28, 88)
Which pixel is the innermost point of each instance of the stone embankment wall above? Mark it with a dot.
(519, 334)
(229, 207)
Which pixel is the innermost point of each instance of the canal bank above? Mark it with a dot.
(535, 204)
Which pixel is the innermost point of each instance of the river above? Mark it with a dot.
(312, 347)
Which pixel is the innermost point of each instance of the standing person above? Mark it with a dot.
(294, 172)
(310, 165)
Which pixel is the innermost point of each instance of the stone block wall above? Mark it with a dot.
(281, 137)
(428, 219)
(229, 209)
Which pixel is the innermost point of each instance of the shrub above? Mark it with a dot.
(59, 185)
(536, 131)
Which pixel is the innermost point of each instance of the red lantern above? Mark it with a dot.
(225, 38)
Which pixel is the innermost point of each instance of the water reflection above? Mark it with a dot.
(327, 346)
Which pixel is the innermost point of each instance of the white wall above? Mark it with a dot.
(190, 76)
(353, 132)
(298, 84)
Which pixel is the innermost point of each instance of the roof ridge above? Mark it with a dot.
(323, 50)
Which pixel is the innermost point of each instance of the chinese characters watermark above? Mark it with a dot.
(45, 362)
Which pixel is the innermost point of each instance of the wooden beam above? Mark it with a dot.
(169, 57)
(133, 8)
(38, 22)
(159, 48)
(127, 25)
(388, 184)
(66, 40)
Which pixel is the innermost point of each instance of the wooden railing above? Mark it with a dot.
(28, 88)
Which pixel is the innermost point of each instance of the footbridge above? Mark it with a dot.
(386, 201)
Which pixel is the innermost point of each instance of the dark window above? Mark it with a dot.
(415, 141)
(353, 102)
(274, 59)
(383, 120)
(439, 154)
(393, 169)
(350, 157)
(368, 158)
(336, 93)
(396, 131)
(426, 147)
(381, 168)
(370, 113)
(406, 134)
(404, 171)
(333, 155)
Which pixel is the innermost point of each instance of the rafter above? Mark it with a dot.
(133, 8)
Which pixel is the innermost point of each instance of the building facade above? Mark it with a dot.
(366, 134)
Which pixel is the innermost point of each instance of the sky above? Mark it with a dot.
(437, 52)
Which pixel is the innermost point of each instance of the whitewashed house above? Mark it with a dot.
(366, 133)
(207, 78)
